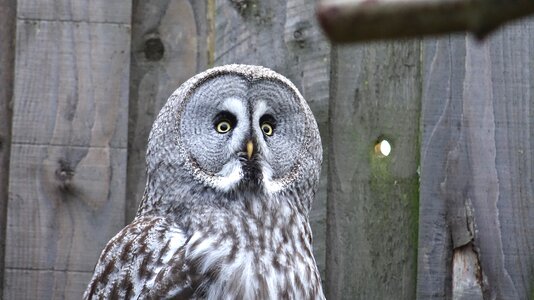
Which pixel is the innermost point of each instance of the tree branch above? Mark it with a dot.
(347, 21)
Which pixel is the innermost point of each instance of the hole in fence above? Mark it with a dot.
(383, 148)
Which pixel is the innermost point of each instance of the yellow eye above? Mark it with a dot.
(267, 129)
(223, 127)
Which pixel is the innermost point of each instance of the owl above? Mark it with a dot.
(233, 162)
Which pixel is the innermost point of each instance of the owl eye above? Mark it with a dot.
(267, 125)
(223, 127)
(224, 122)
(267, 129)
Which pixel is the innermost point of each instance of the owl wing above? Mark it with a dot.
(141, 262)
(186, 273)
(174, 281)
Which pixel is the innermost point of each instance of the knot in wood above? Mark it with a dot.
(300, 33)
(297, 35)
(64, 174)
(240, 5)
(154, 49)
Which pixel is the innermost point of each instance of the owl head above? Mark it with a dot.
(235, 128)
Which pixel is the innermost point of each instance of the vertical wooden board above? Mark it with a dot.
(7, 61)
(512, 87)
(372, 199)
(443, 75)
(96, 11)
(71, 84)
(68, 161)
(477, 162)
(168, 47)
(283, 36)
(35, 284)
(65, 203)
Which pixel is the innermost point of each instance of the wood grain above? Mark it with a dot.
(477, 162)
(7, 62)
(65, 203)
(466, 276)
(283, 36)
(67, 174)
(94, 11)
(168, 47)
(372, 199)
(34, 284)
(79, 74)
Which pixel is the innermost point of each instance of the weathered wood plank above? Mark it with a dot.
(443, 76)
(477, 164)
(67, 173)
(7, 61)
(284, 36)
(71, 84)
(372, 199)
(101, 11)
(65, 203)
(168, 47)
(34, 284)
(506, 223)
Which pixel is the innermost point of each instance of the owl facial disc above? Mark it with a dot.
(246, 130)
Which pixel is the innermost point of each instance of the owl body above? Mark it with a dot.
(232, 166)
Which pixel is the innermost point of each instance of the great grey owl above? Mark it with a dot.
(233, 162)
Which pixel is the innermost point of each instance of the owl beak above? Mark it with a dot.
(250, 149)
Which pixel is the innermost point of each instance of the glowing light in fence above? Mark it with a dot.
(383, 148)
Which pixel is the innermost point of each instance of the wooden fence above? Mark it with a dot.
(449, 214)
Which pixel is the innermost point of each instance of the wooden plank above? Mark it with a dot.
(477, 164)
(506, 223)
(168, 47)
(68, 161)
(7, 62)
(373, 199)
(285, 37)
(443, 76)
(71, 84)
(96, 11)
(65, 203)
(34, 284)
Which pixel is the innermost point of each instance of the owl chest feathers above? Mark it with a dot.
(254, 257)
(252, 253)
(261, 250)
